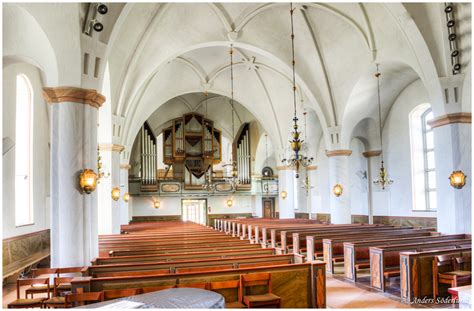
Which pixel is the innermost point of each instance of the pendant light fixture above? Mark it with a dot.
(306, 184)
(383, 180)
(233, 179)
(296, 157)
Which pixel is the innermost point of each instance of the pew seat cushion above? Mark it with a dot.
(268, 297)
(392, 272)
(364, 264)
(26, 302)
(55, 300)
(234, 305)
(456, 273)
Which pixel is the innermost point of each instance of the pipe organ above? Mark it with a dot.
(241, 151)
(148, 155)
(191, 145)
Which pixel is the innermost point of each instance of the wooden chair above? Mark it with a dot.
(194, 285)
(120, 293)
(40, 289)
(150, 289)
(84, 298)
(29, 302)
(444, 272)
(235, 284)
(57, 301)
(261, 300)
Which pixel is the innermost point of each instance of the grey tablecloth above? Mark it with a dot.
(183, 298)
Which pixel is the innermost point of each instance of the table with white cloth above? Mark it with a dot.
(184, 298)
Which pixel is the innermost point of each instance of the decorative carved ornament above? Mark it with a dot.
(460, 117)
(336, 153)
(61, 94)
(170, 187)
(372, 153)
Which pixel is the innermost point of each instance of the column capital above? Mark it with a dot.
(372, 153)
(61, 94)
(125, 166)
(459, 117)
(336, 153)
(111, 147)
(312, 168)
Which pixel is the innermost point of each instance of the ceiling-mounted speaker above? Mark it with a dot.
(452, 37)
(454, 53)
(450, 23)
(97, 26)
(448, 9)
(457, 67)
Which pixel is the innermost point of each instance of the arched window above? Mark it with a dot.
(422, 159)
(23, 151)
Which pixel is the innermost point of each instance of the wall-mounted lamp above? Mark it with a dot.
(116, 194)
(88, 180)
(126, 197)
(457, 179)
(156, 204)
(337, 190)
(283, 194)
(230, 203)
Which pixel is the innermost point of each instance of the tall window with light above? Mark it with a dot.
(422, 159)
(23, 151)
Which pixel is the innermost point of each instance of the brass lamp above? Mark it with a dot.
(115, 194)
(126, 197)
(457, 179)
(283, 194)
(88, 180)
(156, 204)
(337, 190)
(229, 203)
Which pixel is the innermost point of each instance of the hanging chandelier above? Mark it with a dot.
(296, 156)
(306, 184)
(232, 180)
(383, 180)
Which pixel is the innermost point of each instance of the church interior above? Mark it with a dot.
(237, 155)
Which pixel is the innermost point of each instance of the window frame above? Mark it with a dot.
(29, 160)
(426, 169)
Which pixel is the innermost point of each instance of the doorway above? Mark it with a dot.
(194, 210)
(268, 208)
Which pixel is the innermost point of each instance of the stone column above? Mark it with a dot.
(452, 145)
(74, 237)
(115, 151)
(338, 174)
(373, 163)
(286, 180)
(124, 206)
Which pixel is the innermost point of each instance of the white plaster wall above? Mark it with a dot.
(397, 200)
(322, 188)
(41, 152)
(143, 206)
(358, 184)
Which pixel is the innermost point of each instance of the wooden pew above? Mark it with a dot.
(170, 267)
(179, 256)
(298, 285)
(416, 273)
(332, 247)
(356, 254)
(385, 261)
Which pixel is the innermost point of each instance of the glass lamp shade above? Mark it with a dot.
(457, 179)
(115, 194)
(156, 204)
(229, 203)
(283, 194)
(88, 180)
(337, 190)
(126, 197)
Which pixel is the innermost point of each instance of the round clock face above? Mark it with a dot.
(267, 172)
